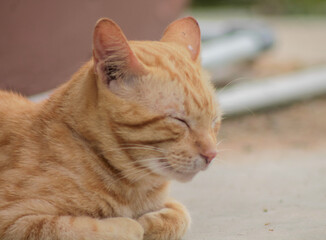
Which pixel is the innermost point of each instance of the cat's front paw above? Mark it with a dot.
(170, 223)
(126, 228)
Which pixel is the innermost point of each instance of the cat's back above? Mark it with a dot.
(12, 102)
(15, 113)
(13, 107)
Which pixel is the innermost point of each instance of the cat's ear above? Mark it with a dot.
(184, 31)
(112, 55)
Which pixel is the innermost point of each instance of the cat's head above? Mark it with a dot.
(160, 103)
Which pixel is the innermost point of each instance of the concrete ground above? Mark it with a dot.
(267, 199)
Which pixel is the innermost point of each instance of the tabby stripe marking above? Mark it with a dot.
(116, 172)
(156, 190)
(195, 83)
(141, 124)
(104, 161)
(152, 142)
(39, 227)
(5, 229)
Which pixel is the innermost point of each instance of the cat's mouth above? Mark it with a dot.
(175, 173)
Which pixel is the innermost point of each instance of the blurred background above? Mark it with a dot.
(268, 63)
(291, 49)
(270, 178)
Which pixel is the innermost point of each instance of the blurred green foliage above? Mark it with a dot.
(268, 6)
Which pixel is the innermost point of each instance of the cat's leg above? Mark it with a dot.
(169, 223)
(47, 227)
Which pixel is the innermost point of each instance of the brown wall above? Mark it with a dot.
(43, 42)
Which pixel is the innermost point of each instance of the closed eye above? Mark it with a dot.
(183, 121)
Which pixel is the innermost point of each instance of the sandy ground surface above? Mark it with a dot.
(261, 200)
(269, 181)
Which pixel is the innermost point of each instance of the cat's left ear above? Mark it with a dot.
(112, 55)
(186, 32)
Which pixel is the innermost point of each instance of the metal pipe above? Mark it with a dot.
(41, 96)
(230, 43)
(251, 96)
(238, 47)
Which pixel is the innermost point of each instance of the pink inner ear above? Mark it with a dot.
(108, 39)
(184, 31)
(110, 43)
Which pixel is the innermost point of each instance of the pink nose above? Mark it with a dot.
(209, 156)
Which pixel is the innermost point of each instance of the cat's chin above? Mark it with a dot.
(184, 177)
(180, 176)
(173, 174)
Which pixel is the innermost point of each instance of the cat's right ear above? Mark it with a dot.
(186, 32)
(112, 55)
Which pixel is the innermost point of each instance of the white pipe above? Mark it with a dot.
(41, 96)
(226, 51)
(255, 95)
(231, 43)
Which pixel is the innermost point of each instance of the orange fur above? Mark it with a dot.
(94, 160)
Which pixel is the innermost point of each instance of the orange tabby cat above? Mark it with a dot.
(94, 160)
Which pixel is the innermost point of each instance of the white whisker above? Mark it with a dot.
(138, 148)
(147, 160)
(142, 176)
